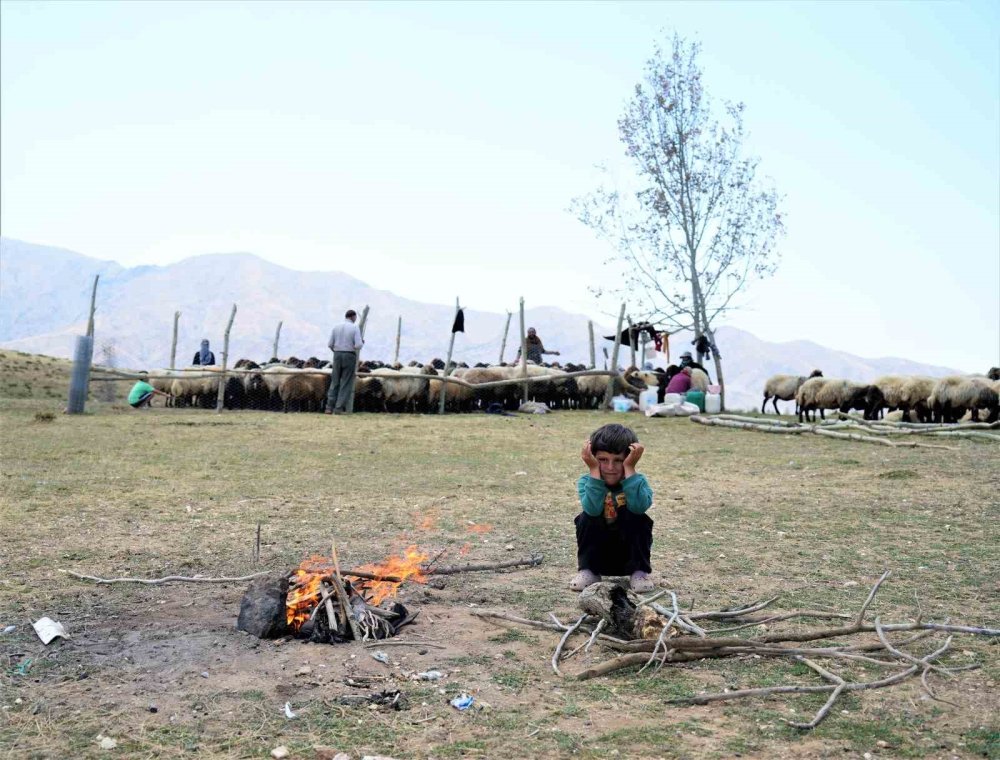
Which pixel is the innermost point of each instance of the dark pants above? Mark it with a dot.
(342, 381)
(144, 400)
(618, 548)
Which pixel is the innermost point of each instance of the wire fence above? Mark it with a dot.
(313, 385)
(377, 389)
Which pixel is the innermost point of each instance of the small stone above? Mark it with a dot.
(154, 708)
(509, 547)
(279, 752)
(107, 743)
(305, 670)
(882, 743)
(204, 674)
(329, 753)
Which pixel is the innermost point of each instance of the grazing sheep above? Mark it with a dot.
(820, 393)
(784, 387)
(404, 393)
(196, 385)
(856, 397)
(884, 392)
(506, 395)
(162, 380)
(369, 394)
(914, 394)
(952, 396)
(457, 397)
(305, 391)
(590, 391)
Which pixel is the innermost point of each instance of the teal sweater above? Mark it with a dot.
(634, 491)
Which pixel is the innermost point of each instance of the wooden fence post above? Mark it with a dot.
(447, 362)
(225, 360)
(399, 332)
(593, 356)
(631, 341)
(277, 335)
(503, 343)
(614, 359)
(93, 308)
(357, 360)
(173, 343)
(524, 355)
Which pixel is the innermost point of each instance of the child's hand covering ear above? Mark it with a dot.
(590, 460)
(634, 455)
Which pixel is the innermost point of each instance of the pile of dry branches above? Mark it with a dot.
(852, 428)
(649, 635)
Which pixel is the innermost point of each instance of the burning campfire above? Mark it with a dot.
(322, 606)
(319, 603)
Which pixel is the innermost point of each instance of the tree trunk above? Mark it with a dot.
(718, 367)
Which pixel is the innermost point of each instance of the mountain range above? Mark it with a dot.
(45, 297)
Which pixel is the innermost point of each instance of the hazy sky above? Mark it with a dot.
(433, 149)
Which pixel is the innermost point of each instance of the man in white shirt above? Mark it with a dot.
(345, 342)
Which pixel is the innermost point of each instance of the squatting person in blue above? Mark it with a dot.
(614, 535)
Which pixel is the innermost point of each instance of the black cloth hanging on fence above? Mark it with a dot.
(630, 335)
(459, 325)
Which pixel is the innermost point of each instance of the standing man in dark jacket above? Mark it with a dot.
(345, 342)
(203, 356)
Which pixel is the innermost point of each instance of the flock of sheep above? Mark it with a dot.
(297, 385)
(911, 399)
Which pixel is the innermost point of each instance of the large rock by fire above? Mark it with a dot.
(263, 611)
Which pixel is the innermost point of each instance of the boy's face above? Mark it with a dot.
(612, 467)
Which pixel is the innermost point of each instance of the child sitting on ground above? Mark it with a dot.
(614, 535)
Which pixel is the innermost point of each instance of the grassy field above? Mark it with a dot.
(739, 516)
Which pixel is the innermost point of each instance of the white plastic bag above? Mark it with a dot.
(682, 409)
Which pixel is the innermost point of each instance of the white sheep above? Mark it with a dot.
(953, 395)
(819, 393)
(784, 387)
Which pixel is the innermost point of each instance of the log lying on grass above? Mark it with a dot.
(828, 429)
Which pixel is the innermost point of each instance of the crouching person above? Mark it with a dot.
(614, 535)
(141, 395)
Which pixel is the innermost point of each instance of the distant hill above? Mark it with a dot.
(45, 294)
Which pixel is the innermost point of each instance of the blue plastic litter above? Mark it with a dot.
(462, 702)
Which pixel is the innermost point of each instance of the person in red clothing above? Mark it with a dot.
(681, 382)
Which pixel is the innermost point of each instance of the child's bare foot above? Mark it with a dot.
(583, 579)
(640, 582)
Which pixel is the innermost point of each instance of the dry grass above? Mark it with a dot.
(738, 516)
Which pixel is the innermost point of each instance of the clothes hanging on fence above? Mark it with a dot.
(662, 342)
(703, 346)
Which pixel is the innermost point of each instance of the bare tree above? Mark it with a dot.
(697, 225)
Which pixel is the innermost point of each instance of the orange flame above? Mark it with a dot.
(404, 567)
(480, 528)
(305, 589)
